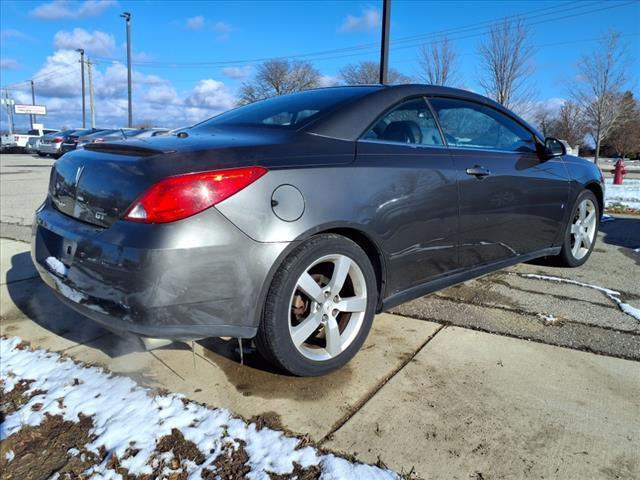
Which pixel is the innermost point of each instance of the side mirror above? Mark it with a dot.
(554, 147)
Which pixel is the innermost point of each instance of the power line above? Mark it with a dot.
(345, 52)
(416, 39)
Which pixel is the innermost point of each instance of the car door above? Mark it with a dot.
(413, 202)
(512, 201)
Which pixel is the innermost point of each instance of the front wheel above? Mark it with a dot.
(581, 231)
(319, 308)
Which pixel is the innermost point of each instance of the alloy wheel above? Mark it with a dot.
(327, 307)
(583, 229)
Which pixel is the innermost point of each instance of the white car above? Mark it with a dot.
(50, 144)
(18, 141)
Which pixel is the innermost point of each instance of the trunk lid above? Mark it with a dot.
(94, 188)
(98, 184)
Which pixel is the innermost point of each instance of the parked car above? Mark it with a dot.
(128, 134)
(150, 132)
(294, 220)
(51, 143)
(101, 136)
(71, 142)
(18, 141)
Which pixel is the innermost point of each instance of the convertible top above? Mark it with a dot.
(352, 118)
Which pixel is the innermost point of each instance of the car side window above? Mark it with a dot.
(411, 122)
(472, 125)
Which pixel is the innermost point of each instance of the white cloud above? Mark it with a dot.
(211, 94)
(60, 75)
(369, 20)
(67, 9)
(11, 33)
(328, 81)
(237, 73)
(8, 64)
(97, 43)
(161, 94)
(195, 23)
(222, 27)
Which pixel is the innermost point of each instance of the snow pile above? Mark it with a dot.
(128, 417)
(627, 194)
(612, 294)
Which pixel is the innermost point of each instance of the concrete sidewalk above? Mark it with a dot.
(446, 401)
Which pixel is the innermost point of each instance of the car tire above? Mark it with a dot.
(338, 326)
(582, 227)
(40, 154)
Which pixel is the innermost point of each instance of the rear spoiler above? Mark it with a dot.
(122, 148)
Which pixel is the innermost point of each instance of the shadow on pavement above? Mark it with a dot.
(38, 303)
(623, 232)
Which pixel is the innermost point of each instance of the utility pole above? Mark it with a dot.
(93, 112)
(9, 106)
(33, 102)
(127, 18)
(384, 46)
(84, 111)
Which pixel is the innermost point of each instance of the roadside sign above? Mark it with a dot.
(30, 109)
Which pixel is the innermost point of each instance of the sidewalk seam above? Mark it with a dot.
(340, 423)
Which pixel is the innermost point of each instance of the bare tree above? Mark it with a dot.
(438, 62)
(279, 77)
(625, 136)
(597, 88)
(368, 73)
(506, 61)
(544, 116)
(569, 125)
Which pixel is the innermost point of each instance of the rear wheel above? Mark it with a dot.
(40, 154)
(319, 308)
(582, 229)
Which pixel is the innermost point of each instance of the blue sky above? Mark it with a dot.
(172, 40)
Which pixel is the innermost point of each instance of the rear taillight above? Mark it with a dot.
(56, 140)
(175, 198)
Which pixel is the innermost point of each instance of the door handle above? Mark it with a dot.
(478, 171)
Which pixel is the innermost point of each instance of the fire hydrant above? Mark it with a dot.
(618, 172)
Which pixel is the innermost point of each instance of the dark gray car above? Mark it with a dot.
(294, 220)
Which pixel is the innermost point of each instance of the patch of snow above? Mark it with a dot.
(637, 250)
(125, 415)
(57, 266)
(626, 308)
(627, 194)
(9, 455)
(612, 294)
(549, 319)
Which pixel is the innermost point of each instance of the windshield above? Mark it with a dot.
(288, 111)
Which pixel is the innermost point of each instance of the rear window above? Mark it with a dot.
(288, 111)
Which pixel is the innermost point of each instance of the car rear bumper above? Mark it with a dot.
(50, 148)
(200, 277)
